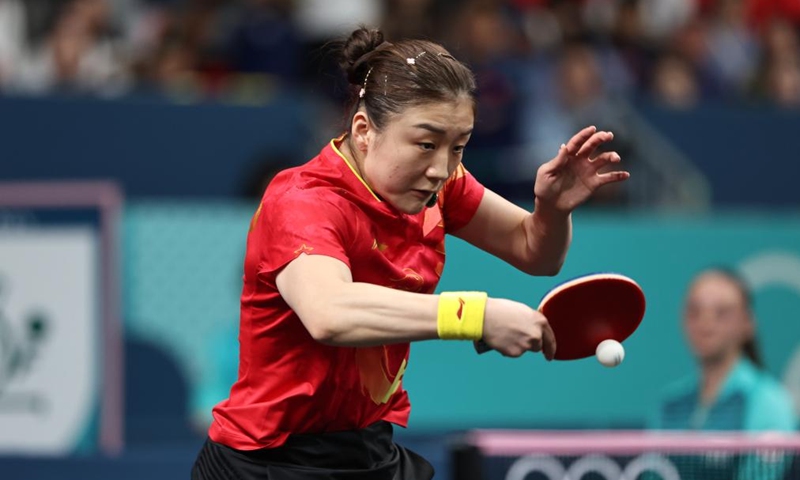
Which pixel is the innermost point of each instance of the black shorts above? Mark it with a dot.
(368, 454)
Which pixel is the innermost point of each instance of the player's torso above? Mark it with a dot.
(404, 253)
(349, 387)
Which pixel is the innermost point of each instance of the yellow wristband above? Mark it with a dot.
(460, 315)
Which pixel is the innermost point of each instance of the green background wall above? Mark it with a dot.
(182, 270)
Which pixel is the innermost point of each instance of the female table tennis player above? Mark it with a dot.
(343, 256)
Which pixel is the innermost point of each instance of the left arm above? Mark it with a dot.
(537, 242)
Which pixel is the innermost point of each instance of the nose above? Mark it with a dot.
(704, 319)
(437, 170)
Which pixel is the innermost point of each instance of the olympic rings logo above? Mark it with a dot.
(553, 469)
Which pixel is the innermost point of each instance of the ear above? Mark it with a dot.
(362, 131)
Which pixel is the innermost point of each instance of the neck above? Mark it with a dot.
(714, 372)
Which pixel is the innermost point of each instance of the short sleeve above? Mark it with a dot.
(299, 222)
(462, 194)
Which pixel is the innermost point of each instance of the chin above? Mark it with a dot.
(408, 207)
(412, 209)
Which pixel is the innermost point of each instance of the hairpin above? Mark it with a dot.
(363, 90)
(413, 61)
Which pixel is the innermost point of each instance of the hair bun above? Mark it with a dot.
(361, 42)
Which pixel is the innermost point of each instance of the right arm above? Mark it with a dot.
(337, 311)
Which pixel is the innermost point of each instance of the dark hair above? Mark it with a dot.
(750, 347)
(390, 77)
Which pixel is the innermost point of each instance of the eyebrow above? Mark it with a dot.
(440, 131)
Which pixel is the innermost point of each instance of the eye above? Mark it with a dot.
(427, 146)
(459, 149)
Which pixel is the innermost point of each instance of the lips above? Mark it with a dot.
(423, 194)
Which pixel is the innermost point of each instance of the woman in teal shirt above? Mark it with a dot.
(732, 391)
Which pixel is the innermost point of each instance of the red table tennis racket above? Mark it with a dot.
(589, 309)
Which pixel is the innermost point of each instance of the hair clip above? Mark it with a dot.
(363, 90)
(413, 61)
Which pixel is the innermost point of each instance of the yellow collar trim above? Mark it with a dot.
(349, 165)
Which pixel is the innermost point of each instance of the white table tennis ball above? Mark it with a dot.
(610, 353)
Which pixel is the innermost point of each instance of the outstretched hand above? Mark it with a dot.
(573, 175)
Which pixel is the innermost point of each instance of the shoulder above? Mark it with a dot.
(300, 202)
(770, 407)
(306, 187)
(770, 392)
(756, 382)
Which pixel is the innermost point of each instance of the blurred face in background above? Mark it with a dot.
(674, 83)
(717, 322)
(783, 82)
(579, 78)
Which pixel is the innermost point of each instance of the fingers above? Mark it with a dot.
(545, 341)
(575, 143)
(612, 177)
(583, 143)
(548, 342)
(604, 159)
(597, 139)
(560, 159)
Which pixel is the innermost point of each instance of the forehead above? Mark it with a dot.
(713, 286)
(453, 115)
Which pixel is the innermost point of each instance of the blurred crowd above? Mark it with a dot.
(544, 67)
(677, 52)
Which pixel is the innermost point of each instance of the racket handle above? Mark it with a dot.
(482, 347)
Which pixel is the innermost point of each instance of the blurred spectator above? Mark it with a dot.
(79, 53)
(573, 93)
(487, 41)
(732, 389)
(205, 30)
(783, 82)
(691, 42)
(629, 42)
(674, 83)
(732, 46)
(781, 40)
(322, 20)
(12, 36)
(661, 19)
(411, 19)
(684, 52)
(779, 76)
(170, 68)
(265, 40)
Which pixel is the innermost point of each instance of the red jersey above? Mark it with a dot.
(289, 383)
